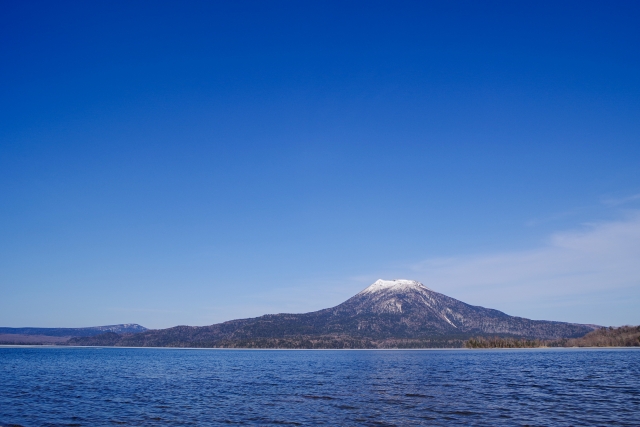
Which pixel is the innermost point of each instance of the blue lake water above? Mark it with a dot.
(175, 387)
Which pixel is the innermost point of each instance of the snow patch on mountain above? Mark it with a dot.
(397, 285)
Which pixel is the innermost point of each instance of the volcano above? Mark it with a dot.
(387, 314)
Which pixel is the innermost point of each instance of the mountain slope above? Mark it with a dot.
(127, 328)
(389, 313)
(61, 335)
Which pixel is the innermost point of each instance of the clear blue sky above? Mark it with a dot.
(193, 162)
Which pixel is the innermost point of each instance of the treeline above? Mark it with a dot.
(295, 342)
(106, 339)
(499, 342)
(341, 342)
(624, 336)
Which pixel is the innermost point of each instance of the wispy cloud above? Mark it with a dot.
(599, 261)
(621, 200)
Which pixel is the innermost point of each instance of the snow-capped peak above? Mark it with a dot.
(393, 285)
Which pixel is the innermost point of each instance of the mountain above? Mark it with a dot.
(61, 335)
(387, 314)
(125, 328)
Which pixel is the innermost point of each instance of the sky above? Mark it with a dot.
(171, 163)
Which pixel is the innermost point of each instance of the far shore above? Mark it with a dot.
(49, 346)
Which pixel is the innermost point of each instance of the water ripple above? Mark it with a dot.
(172, 387)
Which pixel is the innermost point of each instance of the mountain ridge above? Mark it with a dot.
(388, 314)
(121, 328)
(36, 336)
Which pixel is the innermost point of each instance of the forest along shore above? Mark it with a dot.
(624, 336)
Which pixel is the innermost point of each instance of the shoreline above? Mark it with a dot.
(315, 349)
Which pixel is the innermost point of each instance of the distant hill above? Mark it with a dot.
(387, 314)
(61, 335)
(126, 328)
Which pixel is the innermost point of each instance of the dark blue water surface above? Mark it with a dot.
(173, 387)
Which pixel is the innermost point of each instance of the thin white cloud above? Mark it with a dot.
(621, 200)
(597, 264)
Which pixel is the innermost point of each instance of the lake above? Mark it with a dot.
(61, 386)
